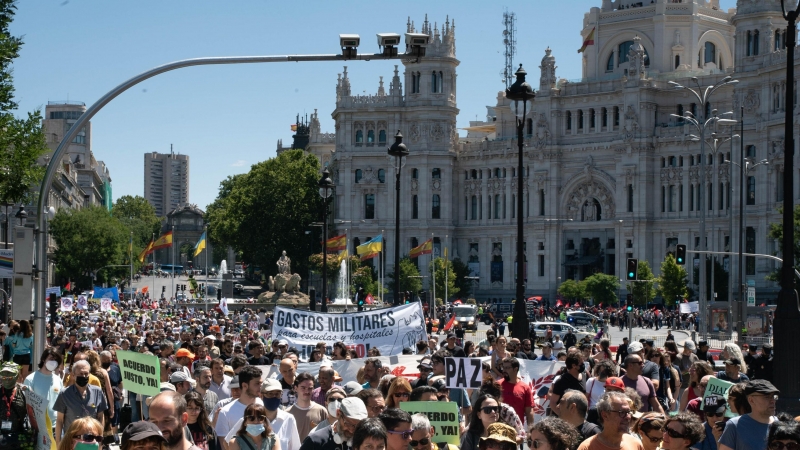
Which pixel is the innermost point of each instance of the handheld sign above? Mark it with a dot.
(719, 387)
(464, 373)
(443, 417)
(140, 373)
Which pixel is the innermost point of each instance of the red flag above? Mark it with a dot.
(450, 323)
(577, 305)
(368, 299)
(68, 286)
(558, 303)
(567, 305)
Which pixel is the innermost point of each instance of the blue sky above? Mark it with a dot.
(228, 118)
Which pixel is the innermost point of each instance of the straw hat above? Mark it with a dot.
(502, 433)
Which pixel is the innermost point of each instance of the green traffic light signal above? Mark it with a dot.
(631, 275)
(630, 308)
(680, 254)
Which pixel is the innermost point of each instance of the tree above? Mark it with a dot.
(315, 264)
(267, 210)
(441, 277)
(673, 281)
(602, 288)
(22, 140)
(776, 233)
(573, 290)
(362, 276)
(409, 277)
(460, 272)
(88, 239)
(643, 290)
(139, 216)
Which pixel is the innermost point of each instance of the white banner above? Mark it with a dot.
(464, 373)
(105, 304)
(691, 307)
(6, 263)
(388, 329)
(66, 303)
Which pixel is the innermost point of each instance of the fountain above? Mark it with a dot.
(342, 287)
(284, 288)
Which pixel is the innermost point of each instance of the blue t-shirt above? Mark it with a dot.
(745, 433)
(709, 442)
(20, 345)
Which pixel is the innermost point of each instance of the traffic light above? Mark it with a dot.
(633, 269)
(219, 294)
(163, 289)
(629, 300)
(630, 308)
(680, 254)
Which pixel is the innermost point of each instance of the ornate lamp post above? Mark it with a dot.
(398, 150)
(521, 95)
(326, 188)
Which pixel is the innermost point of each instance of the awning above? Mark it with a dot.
(583, 261)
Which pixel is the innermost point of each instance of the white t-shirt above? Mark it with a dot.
(284, 426)
(229, 414)
(595, 390)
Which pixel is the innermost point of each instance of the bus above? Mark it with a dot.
(169, 268)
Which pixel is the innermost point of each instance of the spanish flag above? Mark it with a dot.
(164, 241)
(588, 41)
(342, 256)
(201, 244)
(367, 256)
(147, 250)
(425, 249)
(294, 127)
(337, 244)
(374, 245)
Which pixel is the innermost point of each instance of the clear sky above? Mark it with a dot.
(230, 117)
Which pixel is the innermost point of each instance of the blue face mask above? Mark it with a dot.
(255, 429)
(272, 403)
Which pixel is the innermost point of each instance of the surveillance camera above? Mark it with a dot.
(349, 40)
(416, 39)
(388, 39)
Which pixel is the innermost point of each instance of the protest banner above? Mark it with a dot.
(443, 417)
(66, 303)
(388, 329)
(719, 387)
(690, 307)
(112, 293)
(52, 290)
(140, 373)
(40, 420)
(6, 263)
(105, 304)
(82, 302)
(464, 373)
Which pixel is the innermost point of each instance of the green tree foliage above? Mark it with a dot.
(602, 288)
(409, 277)
(674, 282)
(460, 271)
(573, 290)
(776, 233)
(267, 210)
(87, 240)
(315, 263)
(139, 216)
(643, 290)
(362, 275)
(441, 277)
(22, 140)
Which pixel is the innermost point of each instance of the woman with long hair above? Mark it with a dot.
(255, 432)
(697, 371)
(595, 386)
(604, 351)
(664, 393)
(484, 413)
(399, 391)
(202, 432)
(498, 355)
(340, 352)
(21, 343)
(730, 351)
(97, 370)
(506, 414)
(469, 348)
(86, 430)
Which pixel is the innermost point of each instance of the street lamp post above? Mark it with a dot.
(700, 123)
(5, 280)
(326, 188)
(398, 150)
(521, 95)
(787, 314)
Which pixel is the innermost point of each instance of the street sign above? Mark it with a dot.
(751, 296)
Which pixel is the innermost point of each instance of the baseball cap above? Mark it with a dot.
(614, 384)
(334, 390)
(184, 352)
(714, 404)
(353, 408)
(352, 388)
(425, 363)
(235, 382)
(271, 384)
(760, 387)
(451, 335)
(137, 431)
(635, 347)
(689, 344)
(733, 362)
(178, 377)
(650, 342)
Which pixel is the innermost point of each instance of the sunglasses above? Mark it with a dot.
(403, 434)
(402, 394)
(623, 413)
(653, 439)
(489, 409)
(256, 418)
(425, 441)
(673, 433)
(782, 446)
(88, 438)
(536, 443)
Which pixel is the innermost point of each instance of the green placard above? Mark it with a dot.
(140, 373)
(443, 417)
(718, 387)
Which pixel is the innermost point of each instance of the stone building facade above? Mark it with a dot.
(609, 173)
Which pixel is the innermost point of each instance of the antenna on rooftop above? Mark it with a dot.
(510, 43)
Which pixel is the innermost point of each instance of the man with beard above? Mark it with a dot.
(202, 378)
(339, 436)
(76, 401)
(168, 413)
(516, 392)
(373, 371)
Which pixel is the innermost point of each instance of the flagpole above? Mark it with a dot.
(205, 285)
(154, 265)
(130, 259)
(446, 273)
(380, 268)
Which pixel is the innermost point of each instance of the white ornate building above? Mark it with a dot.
(609, 174)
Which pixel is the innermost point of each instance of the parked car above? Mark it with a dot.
(559, 329)
(578, 318)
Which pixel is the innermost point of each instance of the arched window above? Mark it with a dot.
(474, 208)
(711, 53)
(434, 83)
(569, 120)
(622, 51)
(610, 63)
(497, 172)
(436, 173)
(358, 175)
(382, 175)
(382, 137)
(359, 137)
(604, 117)
(677, 61)
(749, 43)
(370, 136)
(415, 207)
(441, 82)
(474, 174)
(415, 173)
(436, 207)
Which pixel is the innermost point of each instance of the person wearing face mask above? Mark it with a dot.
(283, 424)
(255, 432)
(44, 382)
(13, 407)
(333, 401)
(78, 400)
(339, 436)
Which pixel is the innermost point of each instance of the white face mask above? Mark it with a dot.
(333, 407)
(51, 365)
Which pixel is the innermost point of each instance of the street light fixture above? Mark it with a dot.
(326, 188)
(22, 215)
(398, 150)
(701, 123)
(521, 95)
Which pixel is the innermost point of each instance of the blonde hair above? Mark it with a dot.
(83, 425)
(735, 352)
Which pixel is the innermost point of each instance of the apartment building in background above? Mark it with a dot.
(166, 181)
